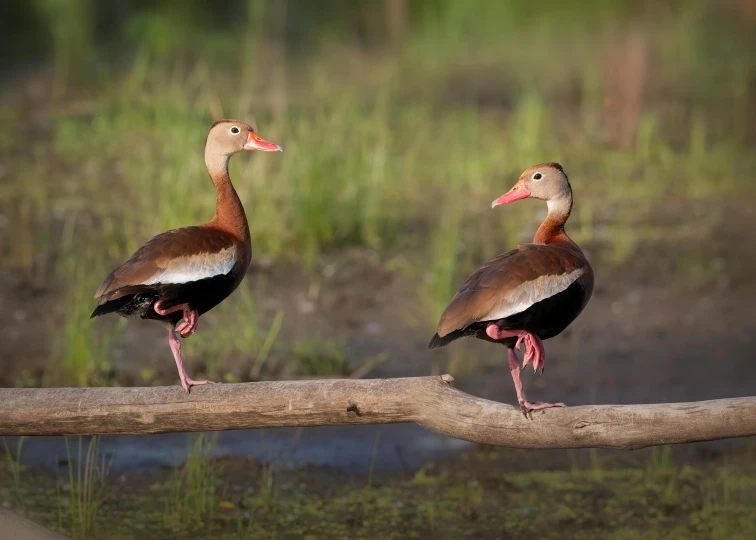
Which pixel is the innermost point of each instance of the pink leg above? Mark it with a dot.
(191, 318)
(534, 352)
(525, 405)
(175, 344)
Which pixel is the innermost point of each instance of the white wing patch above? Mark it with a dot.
(525, 295)
(195, 267)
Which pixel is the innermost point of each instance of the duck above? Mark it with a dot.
(528, 294)
(181, 274)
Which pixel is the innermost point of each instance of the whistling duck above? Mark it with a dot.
(183, 273)
(528, 294)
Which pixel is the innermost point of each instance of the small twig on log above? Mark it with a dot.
(429, 401)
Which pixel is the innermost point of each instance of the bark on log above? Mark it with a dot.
(428, 401)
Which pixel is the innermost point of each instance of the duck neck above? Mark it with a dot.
(229, 212)
(552, 228)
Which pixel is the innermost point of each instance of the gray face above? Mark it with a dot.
(545, 182)
(228, 137)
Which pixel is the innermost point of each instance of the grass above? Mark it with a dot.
(236, 345)
(192, 497)
(320, 358)
(13, 460)
(81, 499)
(83, 349)
(73, 502)
(479, 494)
(397, 150)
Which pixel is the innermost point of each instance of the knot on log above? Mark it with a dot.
(353, 408)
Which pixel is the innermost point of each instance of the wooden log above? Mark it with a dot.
(429, 401)
(19, 528)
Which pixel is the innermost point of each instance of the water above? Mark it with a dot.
(347, 448)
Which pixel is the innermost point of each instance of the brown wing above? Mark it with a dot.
(177, 256)
(511, 283)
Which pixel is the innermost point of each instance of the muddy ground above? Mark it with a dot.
(658, 328)
(650, 334)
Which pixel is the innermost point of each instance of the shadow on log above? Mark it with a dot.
(428, 401)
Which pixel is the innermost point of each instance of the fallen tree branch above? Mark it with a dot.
(428, 401)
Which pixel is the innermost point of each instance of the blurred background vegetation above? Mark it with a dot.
(401, 121)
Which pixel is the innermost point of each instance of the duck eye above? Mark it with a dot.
(235, 130)
(537, 176)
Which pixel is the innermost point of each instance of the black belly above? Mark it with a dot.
(545, 319)
(202, 295)
(548, 317)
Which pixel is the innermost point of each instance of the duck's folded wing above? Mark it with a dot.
(174, 257)
(510, 284)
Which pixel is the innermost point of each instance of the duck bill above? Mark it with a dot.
(255, 142)
(515, 194)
